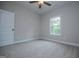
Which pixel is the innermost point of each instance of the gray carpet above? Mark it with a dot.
(40, 49)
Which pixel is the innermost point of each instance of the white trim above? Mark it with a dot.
(5, 43)
(62, 42)
(43, 38)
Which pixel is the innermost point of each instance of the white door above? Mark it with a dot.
(6, 27)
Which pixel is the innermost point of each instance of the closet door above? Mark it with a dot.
(6, 27)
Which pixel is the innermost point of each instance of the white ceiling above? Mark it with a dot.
(45, 8)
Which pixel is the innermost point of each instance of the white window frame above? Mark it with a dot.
(51, 24)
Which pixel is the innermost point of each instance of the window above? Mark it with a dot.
(55, 26)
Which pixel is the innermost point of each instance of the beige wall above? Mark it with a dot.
(69, 15)
(26, 23)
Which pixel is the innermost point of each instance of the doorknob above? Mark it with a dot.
(13, 29)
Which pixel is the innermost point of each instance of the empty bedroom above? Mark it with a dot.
(39, 29)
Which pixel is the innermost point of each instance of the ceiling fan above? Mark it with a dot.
(40, 3)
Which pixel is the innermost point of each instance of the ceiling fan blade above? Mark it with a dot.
(39, 6)
(33, 1)
(47, 3)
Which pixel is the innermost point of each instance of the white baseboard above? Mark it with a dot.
(5, 43)
(2, 56)
(61, 42)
